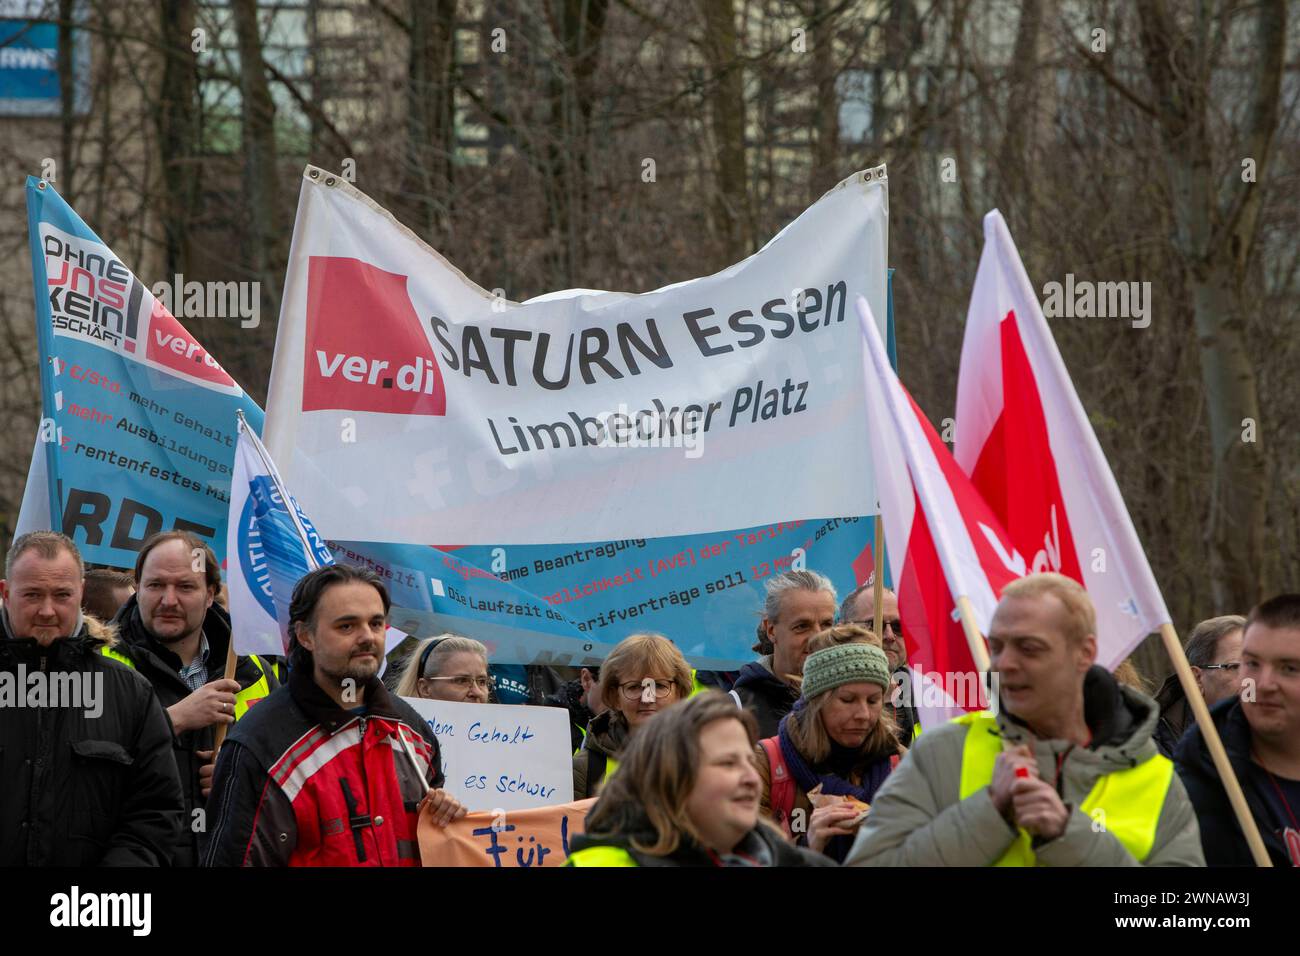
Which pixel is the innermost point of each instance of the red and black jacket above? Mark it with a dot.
(302, 782)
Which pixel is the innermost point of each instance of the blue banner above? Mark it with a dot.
(29, 60)
(138, 420)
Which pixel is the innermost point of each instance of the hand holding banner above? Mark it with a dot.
(522, 838)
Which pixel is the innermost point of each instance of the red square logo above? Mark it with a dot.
(366, 351)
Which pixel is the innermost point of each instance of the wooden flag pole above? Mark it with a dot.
(978, 652)
(219, 735)
(879, 573)
(1174, 648)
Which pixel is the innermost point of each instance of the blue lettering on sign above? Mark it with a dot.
(518, 784)
(520, 734)
(541, 853)
(494, 849)
(440, 729)
(564, 835)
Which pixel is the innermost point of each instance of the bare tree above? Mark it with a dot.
(176, 117)
(427, 181)
(726, 99)
(1216, 217)
(264, 237)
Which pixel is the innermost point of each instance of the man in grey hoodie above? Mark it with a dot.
(1065, 773)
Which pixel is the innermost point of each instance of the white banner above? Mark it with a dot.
(268, 549)
(34, 511)
(501, 756)
(407, 404)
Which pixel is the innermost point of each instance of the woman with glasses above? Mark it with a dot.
(834, 750)
(449, 667)
(687, 795)
(643, 674)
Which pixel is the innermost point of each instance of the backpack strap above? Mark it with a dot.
(781, 789)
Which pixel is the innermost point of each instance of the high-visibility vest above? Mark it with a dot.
(696, 686)
(1130, 800)
(243, 700)
(601, 856)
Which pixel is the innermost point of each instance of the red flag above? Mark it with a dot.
(955, 545)
(1025, 440)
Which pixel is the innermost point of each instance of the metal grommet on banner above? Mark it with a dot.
(314, 173)
(330, 181)
(41, 184)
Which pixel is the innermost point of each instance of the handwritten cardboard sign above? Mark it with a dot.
(520, 838)
(502, 757)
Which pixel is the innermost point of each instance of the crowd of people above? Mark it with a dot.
(813, 754)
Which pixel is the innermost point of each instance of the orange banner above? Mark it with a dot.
(536, 837)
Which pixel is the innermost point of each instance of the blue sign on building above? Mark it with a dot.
(29, 61)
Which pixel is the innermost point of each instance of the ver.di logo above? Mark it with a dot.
(366, 350)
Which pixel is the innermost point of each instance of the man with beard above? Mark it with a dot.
(331, 769)
(175, 636)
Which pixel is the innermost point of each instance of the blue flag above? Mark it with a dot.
(137, 417)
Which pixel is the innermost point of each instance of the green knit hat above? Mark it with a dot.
(844, 664)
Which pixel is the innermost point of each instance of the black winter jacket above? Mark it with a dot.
(160, 667)
(764, 695)
(1175, 716)
(84, 786)
(1221, 834)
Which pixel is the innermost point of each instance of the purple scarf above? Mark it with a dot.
(807, 779)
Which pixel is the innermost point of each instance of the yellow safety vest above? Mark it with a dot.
(601, 856)
(243, 700)
(696, 686)
(1130, 800)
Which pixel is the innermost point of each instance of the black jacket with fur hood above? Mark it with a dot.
(87, 769)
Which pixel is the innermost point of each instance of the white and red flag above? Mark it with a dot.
(945, 541)
(1023, 437)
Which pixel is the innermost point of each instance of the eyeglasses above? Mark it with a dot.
(633, 690)
(1229, 666)
(896, 625)
(465, 681)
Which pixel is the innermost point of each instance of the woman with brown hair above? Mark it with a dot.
(834, 750)
(687, 795)
(642, 675)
